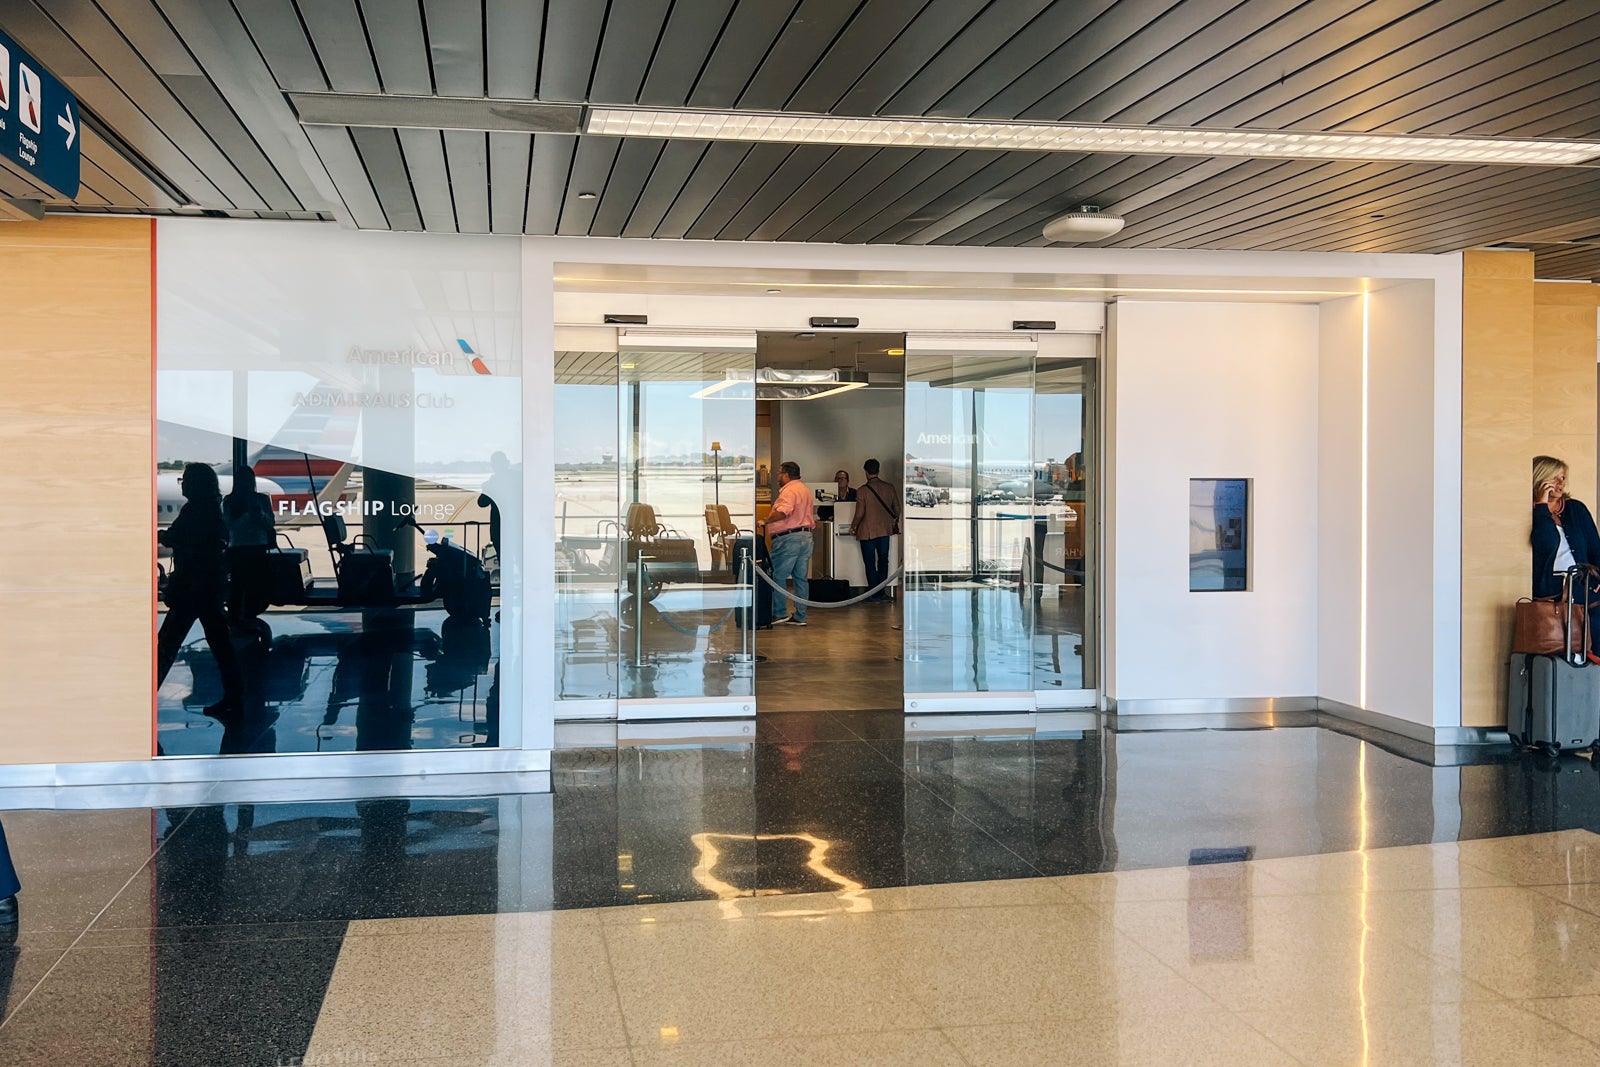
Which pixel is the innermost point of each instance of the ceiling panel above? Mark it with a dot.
(513, 33)
(430, 177)
(631, 170)
(455, 46)
(509, 156)
(629, 40)
(184, 101)
(399, 49)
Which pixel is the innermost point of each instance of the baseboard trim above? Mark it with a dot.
(1437, 736)
(1335, 711)
(327, 765)
(1211, 705)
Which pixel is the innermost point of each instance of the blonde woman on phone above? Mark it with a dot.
(1563, 531)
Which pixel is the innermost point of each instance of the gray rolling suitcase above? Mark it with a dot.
(1556, 698)
(1556, 702)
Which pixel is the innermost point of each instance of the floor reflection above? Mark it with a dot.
(341, 682)
(1151, 873)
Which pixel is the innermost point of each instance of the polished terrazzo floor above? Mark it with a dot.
(832, 890)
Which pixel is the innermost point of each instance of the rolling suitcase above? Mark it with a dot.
(1556, 698)
(1556, 701)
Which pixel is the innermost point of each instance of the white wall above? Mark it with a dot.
(1376, 406)
(1401, 519)
(840, 431)
(1214, 391)
(1339, 489)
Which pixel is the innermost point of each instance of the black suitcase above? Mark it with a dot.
(288, 567)
(366, 578)
(829, 590)
(1552, 703)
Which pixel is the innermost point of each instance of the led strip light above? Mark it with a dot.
(1063, 137)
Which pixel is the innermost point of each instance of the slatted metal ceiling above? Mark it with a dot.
(187, 96)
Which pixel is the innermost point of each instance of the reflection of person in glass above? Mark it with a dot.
(198, 539)
(495, 488)
(248, 515)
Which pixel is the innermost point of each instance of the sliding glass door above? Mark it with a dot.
(1064, 557)
(686, 424)
(968, 516)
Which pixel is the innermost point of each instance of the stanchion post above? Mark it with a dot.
(909, 612)
(747, 582)
(638, 614)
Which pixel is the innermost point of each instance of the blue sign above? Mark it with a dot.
(38, 122)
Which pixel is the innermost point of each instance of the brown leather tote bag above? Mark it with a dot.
(1555, 626)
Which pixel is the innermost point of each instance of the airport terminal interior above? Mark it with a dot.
(767, 532)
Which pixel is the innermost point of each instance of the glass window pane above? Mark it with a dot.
(969, 493)
(588, 533)
(687, 434)
(1065, 568)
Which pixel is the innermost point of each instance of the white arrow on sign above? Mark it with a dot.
(66, 123)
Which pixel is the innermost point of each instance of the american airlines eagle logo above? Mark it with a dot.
(477, 362)
(30, 107)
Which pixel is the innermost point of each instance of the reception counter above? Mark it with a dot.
(838, 554)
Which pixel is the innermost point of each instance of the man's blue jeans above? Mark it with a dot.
(791, 558)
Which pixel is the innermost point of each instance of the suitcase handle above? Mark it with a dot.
(1577, 657)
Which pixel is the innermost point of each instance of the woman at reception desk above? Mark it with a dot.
(855, 538)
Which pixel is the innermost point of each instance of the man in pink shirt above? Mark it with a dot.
(789, 525)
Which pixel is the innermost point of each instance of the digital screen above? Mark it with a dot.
(1219, 534)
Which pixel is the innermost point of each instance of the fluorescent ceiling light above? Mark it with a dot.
(772, 383)
(1077, 137)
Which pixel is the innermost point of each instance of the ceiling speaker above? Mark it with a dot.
(1085, 224)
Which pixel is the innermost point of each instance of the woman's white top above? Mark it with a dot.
(1564, 560)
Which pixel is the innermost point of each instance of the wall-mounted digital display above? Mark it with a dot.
(1219, 534)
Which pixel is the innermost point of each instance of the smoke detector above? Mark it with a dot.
(1085, 224)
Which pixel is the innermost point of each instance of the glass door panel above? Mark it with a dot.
(686, 421)
(1064, 546)
(588, 524)
(969, 514)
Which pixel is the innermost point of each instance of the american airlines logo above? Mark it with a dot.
(401, 357)
(951, 439)
(417, 357)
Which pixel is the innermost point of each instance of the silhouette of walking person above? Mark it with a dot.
(248, 515)
(198, 539)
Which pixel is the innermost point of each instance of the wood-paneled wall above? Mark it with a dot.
(76, 560)
(1528, 388)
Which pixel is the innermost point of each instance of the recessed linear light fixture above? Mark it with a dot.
(794, 128)
(773, 383)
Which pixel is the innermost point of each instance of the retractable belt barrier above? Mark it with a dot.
(874, 591)
(765, 577)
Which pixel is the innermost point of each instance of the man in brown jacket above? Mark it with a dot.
(877, 517)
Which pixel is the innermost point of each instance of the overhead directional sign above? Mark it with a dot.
(38, 122)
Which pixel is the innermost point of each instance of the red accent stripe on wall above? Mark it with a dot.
(154, 498)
